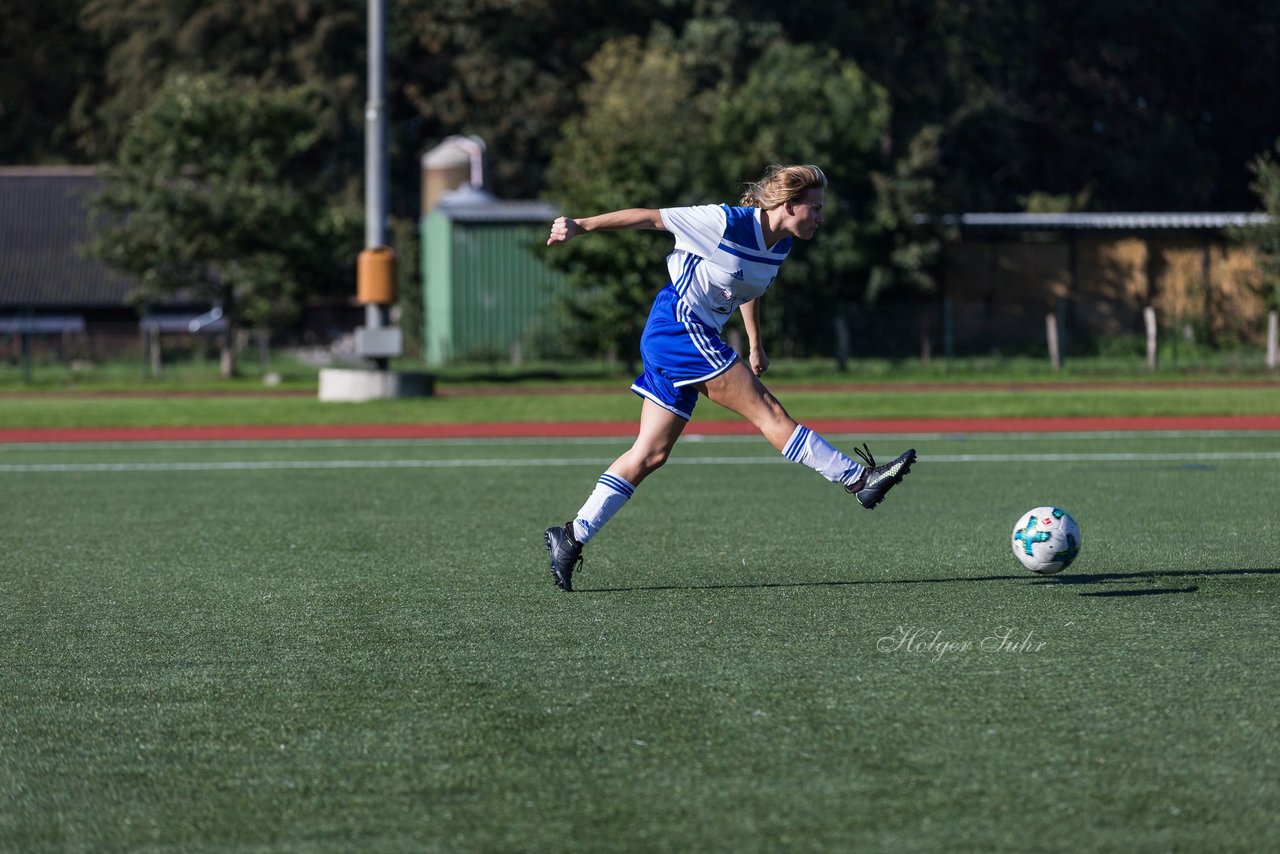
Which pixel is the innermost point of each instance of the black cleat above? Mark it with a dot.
(566, 555)
(876, 481)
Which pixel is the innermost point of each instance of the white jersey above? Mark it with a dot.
(720, 260)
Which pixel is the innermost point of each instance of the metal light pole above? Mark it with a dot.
(376, 341)
(376, 173)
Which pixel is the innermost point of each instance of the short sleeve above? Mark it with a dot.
(697, 229)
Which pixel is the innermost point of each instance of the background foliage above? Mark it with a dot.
(1154, 106)
(217, 194)
(1266, 239)
(914, 105)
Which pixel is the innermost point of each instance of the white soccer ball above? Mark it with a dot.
(1046, 540)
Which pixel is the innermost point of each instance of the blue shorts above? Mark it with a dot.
(679, 351)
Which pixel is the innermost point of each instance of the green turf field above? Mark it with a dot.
(328, 646)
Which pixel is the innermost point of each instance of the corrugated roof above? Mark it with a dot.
(1140, 221)
(467, 204)
(43, 225)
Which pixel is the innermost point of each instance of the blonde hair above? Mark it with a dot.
(782, 184)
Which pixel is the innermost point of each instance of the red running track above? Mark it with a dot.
(573, 429)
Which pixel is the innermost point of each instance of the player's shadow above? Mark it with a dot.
(1101, 578)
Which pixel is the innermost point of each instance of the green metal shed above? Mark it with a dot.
(487, 295)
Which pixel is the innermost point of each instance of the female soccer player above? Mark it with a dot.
(725, 258)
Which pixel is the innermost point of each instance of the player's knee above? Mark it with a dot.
(648, 458)
(654, 458)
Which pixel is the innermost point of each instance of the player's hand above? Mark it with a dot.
(563, 230)
(759, 361)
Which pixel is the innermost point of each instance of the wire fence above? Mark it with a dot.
(928, 332)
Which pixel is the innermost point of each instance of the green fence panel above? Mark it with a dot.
(488, 294)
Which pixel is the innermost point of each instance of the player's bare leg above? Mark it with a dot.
(659, 430)
(739, 390)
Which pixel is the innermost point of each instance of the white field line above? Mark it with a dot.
(1145, 435)
(277, 465)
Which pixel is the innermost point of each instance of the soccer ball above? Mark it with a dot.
(1046, 540)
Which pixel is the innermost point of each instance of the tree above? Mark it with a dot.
(801, 104)
(278, 43)
(47, 62)
(216, 195)
(508, 71)
(637, 143)
(669, 121)
(1031, 95)
(505, 70)
(1265, 239)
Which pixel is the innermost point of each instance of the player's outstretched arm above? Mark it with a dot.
(566, 228)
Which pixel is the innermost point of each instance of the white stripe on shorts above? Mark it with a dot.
(647, 395)
(698, 334)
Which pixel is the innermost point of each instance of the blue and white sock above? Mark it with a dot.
(607, 498)
(810, 449)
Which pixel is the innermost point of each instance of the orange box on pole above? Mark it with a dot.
(376, 276)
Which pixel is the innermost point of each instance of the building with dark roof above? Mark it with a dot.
(53, 296)
(56, 301)
(44, 225)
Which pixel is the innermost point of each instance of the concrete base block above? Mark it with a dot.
(353, 386)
